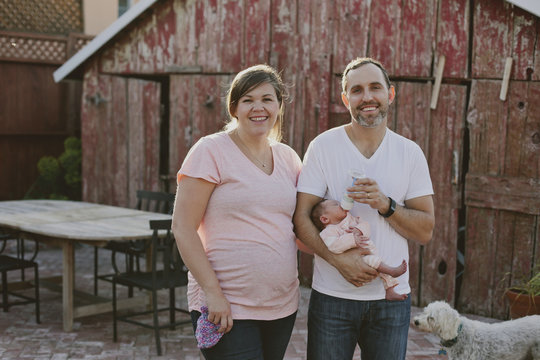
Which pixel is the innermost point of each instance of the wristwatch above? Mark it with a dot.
(391, 209)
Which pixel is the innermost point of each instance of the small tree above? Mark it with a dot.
(59, 178)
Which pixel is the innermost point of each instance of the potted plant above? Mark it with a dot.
(524, 296)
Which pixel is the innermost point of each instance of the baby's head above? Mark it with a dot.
(327, 212)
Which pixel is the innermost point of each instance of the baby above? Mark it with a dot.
(341, 231)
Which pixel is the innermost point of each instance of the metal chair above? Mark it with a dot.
(154, 201)
(167, 272)
(10, 263)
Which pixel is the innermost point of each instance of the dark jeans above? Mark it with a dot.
(251, 339)
(336, 325)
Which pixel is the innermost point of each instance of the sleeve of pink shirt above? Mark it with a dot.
(202, 162)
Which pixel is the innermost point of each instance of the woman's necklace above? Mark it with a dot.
(248, 150)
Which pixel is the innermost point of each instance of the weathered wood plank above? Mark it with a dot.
(104, 142)
(220, 32)
(416, 38)
(412, 112)
(524, 36)
(503, 192)
(318, 73)
(148, 47)
(351, 24)
(522, 156)
(303, 116)
(232, 36)
(492, 41)
(486, 120)
(116, 167)
(453, 37)
(77, 221)
(143, 144)
(506, 241)
(535, 76)
(283, 35)
(186, 41)
(385, 33)
(207, 32)
(477, 291)
(180, 123)
(410, 117)
(498, 242)
(208, 105)
(197, 109)
(257, 32)
(445, 157)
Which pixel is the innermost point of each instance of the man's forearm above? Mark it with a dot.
(414, 221)
(412, 224)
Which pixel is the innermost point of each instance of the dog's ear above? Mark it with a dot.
(446, 323)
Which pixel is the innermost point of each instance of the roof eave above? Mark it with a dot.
(71, 68)
(532, 6)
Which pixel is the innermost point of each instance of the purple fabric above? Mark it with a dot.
(207, 334)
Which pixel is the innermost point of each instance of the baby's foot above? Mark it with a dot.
(394, 296)
(396, 271)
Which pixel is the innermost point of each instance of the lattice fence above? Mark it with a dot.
(40, 48)
(41, 16)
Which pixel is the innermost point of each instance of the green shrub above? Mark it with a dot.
(59, 179)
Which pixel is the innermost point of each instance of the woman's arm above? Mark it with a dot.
(192, 196)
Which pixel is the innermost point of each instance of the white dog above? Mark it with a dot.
(466, 339)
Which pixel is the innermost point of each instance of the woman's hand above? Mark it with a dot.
(219, 311)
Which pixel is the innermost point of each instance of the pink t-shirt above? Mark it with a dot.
(247, 229)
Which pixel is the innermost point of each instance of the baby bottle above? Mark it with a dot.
(347, 202)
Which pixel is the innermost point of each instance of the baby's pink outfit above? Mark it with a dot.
(340, 238)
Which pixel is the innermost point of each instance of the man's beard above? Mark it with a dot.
(370, 122)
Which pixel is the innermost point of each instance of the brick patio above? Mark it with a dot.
(22, 338)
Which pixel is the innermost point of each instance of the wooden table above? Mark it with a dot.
(64, 223)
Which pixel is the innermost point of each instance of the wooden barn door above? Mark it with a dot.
(439, 133)
(121, 139)
(197, 108)
(502, 193)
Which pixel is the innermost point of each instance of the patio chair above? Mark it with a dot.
(154, 201)
(10, 263)
(167, 272)
(21, 248)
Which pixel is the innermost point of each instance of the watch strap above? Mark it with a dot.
(391, 209)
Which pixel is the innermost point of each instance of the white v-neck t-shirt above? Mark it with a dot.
(400, 169)
(247, 230)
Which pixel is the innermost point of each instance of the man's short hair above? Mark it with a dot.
(356, 63)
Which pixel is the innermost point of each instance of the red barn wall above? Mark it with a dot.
(181, 55)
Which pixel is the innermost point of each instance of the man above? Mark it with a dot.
(347, 304)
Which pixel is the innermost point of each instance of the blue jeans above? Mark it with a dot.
(251, 339)
(336, 325)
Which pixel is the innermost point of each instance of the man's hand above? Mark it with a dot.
(353, 268)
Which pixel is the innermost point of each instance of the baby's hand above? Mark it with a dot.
(361, 241)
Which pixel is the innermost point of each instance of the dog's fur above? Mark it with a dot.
(467, 339)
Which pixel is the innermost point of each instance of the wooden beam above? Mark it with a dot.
(503, 193)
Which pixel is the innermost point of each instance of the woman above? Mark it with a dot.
(233, 223)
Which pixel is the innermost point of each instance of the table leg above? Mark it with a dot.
(68, 274)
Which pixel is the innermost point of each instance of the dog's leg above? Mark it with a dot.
(535, 351)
